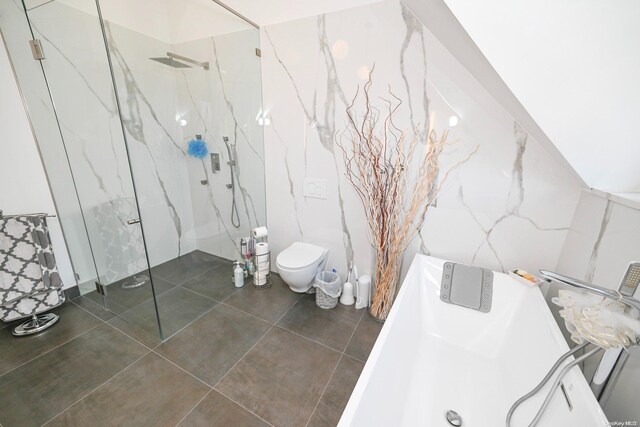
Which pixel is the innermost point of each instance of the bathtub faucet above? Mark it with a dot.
(627, 300)
(614, 360)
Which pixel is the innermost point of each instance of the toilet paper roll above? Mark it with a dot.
(261, 249)
(259, 232)
(261, 281)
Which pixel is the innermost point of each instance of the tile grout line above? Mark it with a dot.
(355, 358)
(106, 322)
(194, 407)
(182, 369)
(194, 277)
(51, 349)
(243, 407)
(161, 293)
(336, 368)
(310, 339)
(245, 354)
(354, 332)
(127, 310)
(203, 295)
(247, 313)
(189, 324)
(132, 337)
(96, 388)
(254, 344)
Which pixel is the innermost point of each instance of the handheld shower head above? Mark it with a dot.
(235, 218)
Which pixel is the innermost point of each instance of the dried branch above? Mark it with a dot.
(377, 162)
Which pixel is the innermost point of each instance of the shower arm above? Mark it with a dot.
(204, 65)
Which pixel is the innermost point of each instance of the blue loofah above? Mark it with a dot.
(198, 148)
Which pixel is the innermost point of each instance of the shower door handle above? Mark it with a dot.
(133, 221)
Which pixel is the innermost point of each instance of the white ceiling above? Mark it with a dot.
(575, 66)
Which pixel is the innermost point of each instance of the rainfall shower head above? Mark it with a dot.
(173, 60)
(170, 62)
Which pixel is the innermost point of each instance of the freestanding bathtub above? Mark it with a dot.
(432, 357)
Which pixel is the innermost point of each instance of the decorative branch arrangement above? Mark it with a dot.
(378, 161)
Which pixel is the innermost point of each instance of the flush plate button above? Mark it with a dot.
(453, 418)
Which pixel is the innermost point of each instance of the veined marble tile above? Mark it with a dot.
(510, 205)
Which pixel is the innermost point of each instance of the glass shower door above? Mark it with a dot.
(82, 97)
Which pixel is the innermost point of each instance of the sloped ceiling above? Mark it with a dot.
(273, 11)
(575, 67)
(171, 21)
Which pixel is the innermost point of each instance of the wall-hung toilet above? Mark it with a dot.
(299, 264)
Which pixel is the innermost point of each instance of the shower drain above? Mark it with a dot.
(453, 418)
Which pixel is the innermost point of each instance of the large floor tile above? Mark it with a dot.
(329, 327)
(269, 304)
(177, 308)
(281, 378)
(211, 345)
(151, 392)
(119, 299)
(335, 397)
(15, 351)
(182, 269)
(215, 410)
(364, 338)
(215, 283)
(39, 390)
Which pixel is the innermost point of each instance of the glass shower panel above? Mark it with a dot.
(79, 80)
(188, 80)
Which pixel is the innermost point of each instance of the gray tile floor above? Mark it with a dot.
(242, 357)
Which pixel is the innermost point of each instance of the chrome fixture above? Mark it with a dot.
(556, 384)
(40, 214)
(215, 162)
(453, 418)
(38, 322)
(595, 289)
(235, 218)
(612, 361)
(173, 60)
(135, 282)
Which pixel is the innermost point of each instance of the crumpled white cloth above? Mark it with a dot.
(599, 320)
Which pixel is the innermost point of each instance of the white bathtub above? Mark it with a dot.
(432, 357)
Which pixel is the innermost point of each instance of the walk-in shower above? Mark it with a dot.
(147, 240)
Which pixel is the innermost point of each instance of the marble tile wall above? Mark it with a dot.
(602, 241)
(510, 205)
(224, 101)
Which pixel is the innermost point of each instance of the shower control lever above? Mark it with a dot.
(133, 221)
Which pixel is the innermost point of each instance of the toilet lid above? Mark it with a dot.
(299, 255)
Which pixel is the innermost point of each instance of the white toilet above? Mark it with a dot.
(299, 264)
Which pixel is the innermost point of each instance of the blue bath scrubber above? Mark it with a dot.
(198, 148)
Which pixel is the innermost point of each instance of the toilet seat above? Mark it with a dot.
(299, 256)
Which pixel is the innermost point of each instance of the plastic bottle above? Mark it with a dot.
(238, 275)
